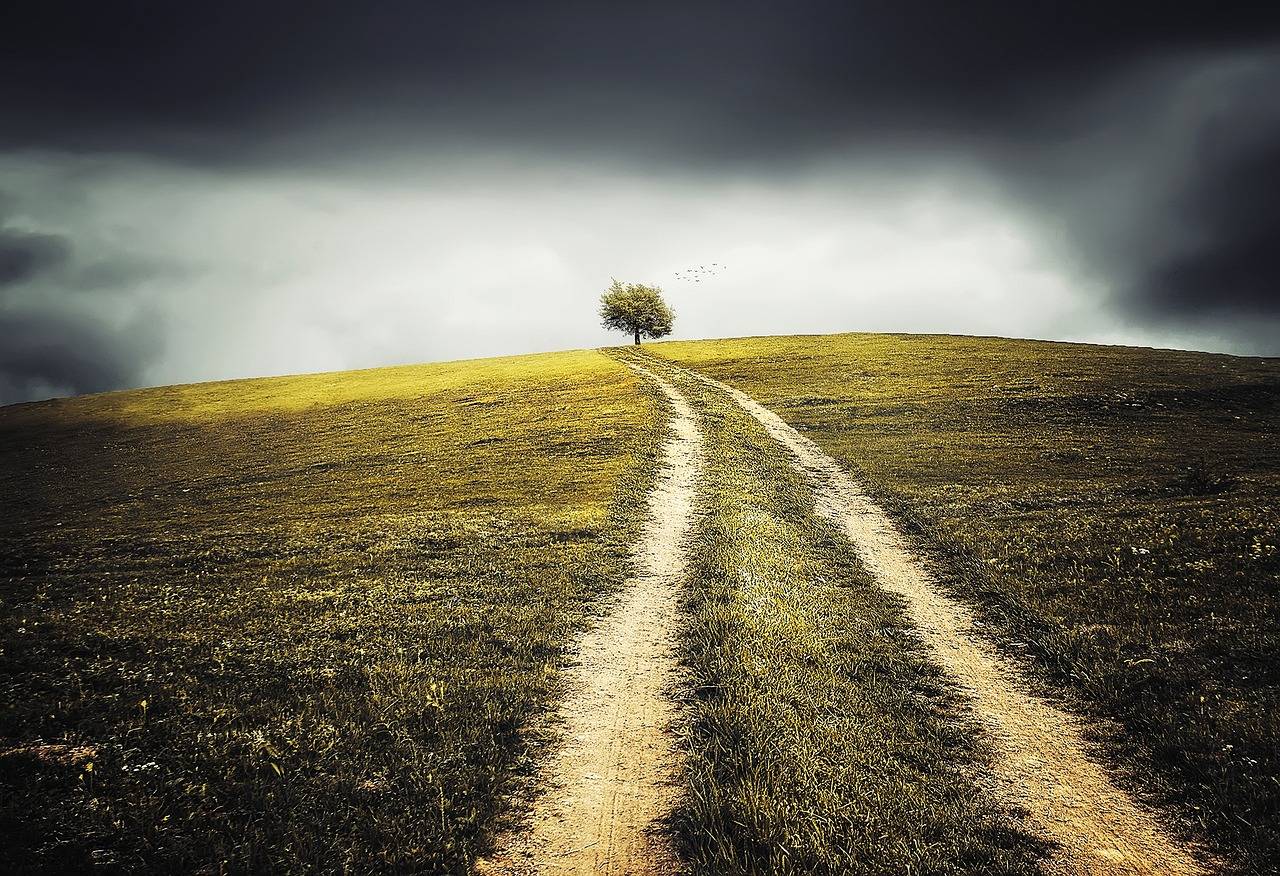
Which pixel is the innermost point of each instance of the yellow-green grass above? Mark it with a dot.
(820, 739)
(1113, 512)
(301, 623)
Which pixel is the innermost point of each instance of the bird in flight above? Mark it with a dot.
(701, 271)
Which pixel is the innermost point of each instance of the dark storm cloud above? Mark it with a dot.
(51, 352)
(49, 344)
(1228, 258)
(24, 255)
(734, 79)
(1054, 100)
(57, 353)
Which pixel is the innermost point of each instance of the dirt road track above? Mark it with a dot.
(1041, 757)
(612, 782)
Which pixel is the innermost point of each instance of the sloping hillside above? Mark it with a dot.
(289, 623)
(746, 606)
(1113, 513)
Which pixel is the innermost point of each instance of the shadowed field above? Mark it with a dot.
(1113, 513)
(296, 623)
(319, 623)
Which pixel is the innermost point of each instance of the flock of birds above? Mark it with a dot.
(696, 274)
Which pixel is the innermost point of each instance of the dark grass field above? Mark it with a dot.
(1114, 513)
(305, 624)
(298, 625)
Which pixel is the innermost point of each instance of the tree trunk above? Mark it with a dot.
(637, 337)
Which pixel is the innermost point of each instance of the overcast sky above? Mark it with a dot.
(194, 191)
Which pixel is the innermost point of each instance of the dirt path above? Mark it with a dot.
(1041, 757)
(611, 783)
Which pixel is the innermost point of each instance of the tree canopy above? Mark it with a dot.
(636, 309)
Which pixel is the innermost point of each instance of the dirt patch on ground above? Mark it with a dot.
(611, 784)
(1041, 757)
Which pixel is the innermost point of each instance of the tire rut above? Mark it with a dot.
(1041, 758)
(611, 785)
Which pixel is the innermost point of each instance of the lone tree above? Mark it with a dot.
(637, 309)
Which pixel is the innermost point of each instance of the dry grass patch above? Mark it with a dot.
(1114, 513)
(303, 622)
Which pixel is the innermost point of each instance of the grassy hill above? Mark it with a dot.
(306, 622)
(297, 622)
(1113, 512)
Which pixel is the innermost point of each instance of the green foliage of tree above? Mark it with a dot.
(636, 309)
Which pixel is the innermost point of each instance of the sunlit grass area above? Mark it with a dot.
(300, 623)
(1113, 512)
(821, 740)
